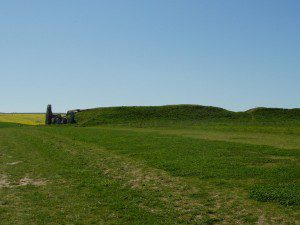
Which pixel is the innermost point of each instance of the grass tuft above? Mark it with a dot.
(285, 194)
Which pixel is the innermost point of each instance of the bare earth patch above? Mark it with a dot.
(13, 163)
(4, 181)
(27, 181)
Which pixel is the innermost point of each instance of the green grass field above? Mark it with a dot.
(130, 171)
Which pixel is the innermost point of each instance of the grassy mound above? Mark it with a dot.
(172, 114)
(274, 114)
(151, 114)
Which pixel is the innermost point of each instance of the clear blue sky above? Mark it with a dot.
(235, 54)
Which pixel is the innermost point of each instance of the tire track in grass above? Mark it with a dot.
(173, 195)
(57, 203)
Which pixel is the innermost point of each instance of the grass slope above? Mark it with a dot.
(180, 114)
(275, 114)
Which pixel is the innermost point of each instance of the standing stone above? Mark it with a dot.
(71, 117)
(48, 115)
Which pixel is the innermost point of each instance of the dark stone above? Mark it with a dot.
(72, 117)
(73, 111)
(49, 115)
(58, 120)
(64, 120)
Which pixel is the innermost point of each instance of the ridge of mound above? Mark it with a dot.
(178, 114)
(275, 113)
(151, 114)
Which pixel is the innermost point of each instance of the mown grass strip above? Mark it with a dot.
(121, 177)
(77, 192)
(235, 166)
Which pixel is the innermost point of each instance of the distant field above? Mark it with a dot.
(28, 119)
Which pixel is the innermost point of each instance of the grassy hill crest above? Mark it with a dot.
(179, 114)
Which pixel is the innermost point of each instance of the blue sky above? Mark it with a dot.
(235, 54)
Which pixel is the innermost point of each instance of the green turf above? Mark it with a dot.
(214, 172)
(5, 124)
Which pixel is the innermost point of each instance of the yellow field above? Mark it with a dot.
(28, 119)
